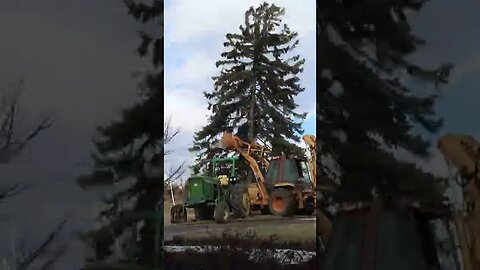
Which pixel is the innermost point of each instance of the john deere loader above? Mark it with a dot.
(212, 196)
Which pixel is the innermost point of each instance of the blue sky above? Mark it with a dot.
(194, 36)
(452, 35)
(309, 126)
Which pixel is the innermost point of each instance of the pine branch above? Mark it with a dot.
(10, 144)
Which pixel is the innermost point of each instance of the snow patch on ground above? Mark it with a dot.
(284, 256)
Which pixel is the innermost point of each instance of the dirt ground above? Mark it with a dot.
(292, 229)
(300, 230)
(296, 229)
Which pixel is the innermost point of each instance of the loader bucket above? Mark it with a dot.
(227, 142)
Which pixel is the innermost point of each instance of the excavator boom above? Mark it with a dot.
(312, 145)
(324, 224)
(463, 152)
(232, 142)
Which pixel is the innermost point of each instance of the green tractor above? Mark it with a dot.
(212, 196)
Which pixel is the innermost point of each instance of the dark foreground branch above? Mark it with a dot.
(27, 260)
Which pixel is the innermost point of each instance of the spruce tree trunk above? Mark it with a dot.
(251, 126)
(253, 100)
(251, 116)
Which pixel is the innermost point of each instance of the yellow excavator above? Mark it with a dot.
(311, 143)
(323, 223)
(286, 187)
(255, 194)
(463, 152)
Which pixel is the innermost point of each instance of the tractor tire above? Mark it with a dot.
(309, 207)
(240, 200)
(204, 213)
(282, 202)
(178, 214)
(221, 212)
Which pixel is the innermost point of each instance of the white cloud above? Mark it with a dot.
(196, 19)
(312, 112)
(197, 69)
(192, 20)
(186, 109)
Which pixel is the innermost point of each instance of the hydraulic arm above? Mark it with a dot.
(247, 150)
(463, 152)
(312, 145)
(324, 225)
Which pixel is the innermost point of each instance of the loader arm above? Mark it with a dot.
(312, 145)
(324, 224)
(247, 150)
(463, 152)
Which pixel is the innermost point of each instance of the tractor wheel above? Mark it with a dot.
(282, 202)
(240, 200)
(178, 214)
(221, 212)
(309, 207)
(203, 213)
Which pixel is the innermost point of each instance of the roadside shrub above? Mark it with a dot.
(236, 250)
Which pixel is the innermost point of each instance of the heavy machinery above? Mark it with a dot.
(323, 223)
(287, 185)
(254, 195)
(463, 152)
(312, 162)
(283, 185)
(380, 238)
(210, 195)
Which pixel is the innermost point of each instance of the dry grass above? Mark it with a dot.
(301, 235)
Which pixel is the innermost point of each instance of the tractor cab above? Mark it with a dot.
(289, 185)
(207, 188)
(204, 193)
(288, 171)
(224, 169)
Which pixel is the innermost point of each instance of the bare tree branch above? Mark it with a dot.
(50, 262)
(168, 135)
(44, 124)
(12, 190)
(26, 260)
(175, 174)
(10, 144)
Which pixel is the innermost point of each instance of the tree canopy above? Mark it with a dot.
(254, 94)
(131, 151)
(365, 110)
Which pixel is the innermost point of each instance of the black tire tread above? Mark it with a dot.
(219, 212)
(289, 198)
(237, 191)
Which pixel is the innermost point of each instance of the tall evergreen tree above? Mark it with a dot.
(128, 148)
(365, 111)
(12, 145)
(257, 85)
